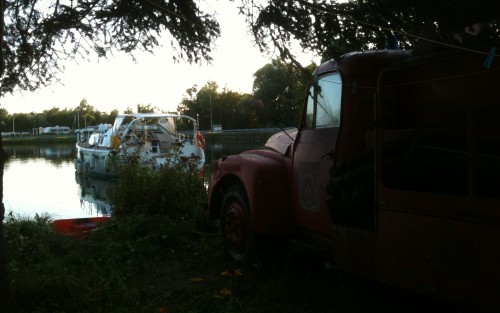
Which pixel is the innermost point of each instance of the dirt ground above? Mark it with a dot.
(303, 284)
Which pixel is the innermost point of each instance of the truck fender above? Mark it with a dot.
(265, 182)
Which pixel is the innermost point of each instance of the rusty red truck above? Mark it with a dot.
(394, 167)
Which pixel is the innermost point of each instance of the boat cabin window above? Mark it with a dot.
(323, 102)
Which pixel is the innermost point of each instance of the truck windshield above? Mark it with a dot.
(323, 105)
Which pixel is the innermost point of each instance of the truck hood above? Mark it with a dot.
(282, 140)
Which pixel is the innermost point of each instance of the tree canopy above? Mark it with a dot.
(332, 28)
(228, 108)
(281, 87)
(38, 34)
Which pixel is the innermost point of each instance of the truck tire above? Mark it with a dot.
(236, 224)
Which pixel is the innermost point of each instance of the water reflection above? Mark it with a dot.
(40, 186)
(39, 179)
(62, 151)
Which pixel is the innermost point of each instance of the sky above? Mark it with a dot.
(119, 83)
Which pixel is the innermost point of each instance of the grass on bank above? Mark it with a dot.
(157, 253)
(135, 264)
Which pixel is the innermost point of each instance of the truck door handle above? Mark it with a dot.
(328, 154)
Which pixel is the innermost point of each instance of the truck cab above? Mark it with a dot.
(394, 168)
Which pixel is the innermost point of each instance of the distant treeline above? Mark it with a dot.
(74, 118)
(280, 102)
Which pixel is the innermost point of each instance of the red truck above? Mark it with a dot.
(394, 168)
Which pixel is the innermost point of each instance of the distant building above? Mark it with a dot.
(37, 131)
(217, 128)
(56, 130)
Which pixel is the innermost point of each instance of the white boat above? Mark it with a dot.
(153, 140)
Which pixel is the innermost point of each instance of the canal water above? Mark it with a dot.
(40, 179)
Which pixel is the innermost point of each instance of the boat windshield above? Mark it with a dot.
(117, 124)
(169, 124)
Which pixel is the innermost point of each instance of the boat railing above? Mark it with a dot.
(146, 127)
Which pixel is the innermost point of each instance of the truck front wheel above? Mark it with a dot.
(236, 223)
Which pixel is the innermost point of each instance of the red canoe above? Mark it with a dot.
(78, 226)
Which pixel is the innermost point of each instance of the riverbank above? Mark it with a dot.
(19, 140)
(158, 264)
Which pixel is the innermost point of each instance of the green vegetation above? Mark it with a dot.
(139, 263)
(280, 87)
(159, 253)
(154, 263)
(332, 28)
(37, 37)
(81, 116)
(172, 191)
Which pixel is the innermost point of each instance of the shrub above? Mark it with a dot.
(172, 191)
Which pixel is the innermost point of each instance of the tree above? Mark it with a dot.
(146, 108)
(84, 114)
(231, 109)
(4, 116)
(37, 35)
(332, 28)
(281, 88)
(6, 304)
(200, 103)
(188, 101)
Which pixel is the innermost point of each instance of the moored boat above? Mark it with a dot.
(153, 140)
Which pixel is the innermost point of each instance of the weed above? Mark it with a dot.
(170, 191)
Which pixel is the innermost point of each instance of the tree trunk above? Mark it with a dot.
(6, 303)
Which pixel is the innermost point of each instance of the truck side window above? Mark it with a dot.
(328, 100)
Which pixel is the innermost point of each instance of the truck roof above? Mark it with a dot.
(364, 63)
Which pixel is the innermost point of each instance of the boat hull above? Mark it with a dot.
(107, 163)
(78, 227)
(99, 163)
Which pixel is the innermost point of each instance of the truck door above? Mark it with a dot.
(314, 151)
